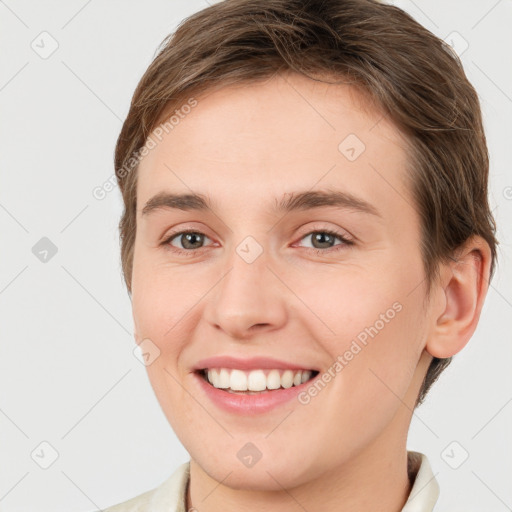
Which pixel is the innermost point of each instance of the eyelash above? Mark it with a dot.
(193, 252)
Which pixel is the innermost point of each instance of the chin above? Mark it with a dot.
(272, 474)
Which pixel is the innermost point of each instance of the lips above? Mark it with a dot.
(261, 383)
(248, 402)
(254, 363)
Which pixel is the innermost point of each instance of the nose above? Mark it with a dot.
(248, 300)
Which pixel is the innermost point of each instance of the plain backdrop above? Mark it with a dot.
(74, 397)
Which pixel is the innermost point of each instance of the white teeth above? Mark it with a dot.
(238, 380)
(273, 380)
(287, 379)
(306, 375)
(213, 375)
(223, 378)
(256, 380)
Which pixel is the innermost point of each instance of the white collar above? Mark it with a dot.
(425, 489)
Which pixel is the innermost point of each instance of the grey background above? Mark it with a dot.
(68, 374)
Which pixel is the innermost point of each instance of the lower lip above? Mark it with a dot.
(250, 404)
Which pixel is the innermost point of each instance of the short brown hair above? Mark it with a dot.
(409, 74)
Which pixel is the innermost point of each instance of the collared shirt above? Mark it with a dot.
(170, 496)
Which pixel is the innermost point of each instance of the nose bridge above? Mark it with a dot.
(249, 294)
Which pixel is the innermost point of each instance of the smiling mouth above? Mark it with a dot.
(254, 382)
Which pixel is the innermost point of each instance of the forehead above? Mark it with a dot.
(248, 145)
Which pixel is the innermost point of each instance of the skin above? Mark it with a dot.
(245, 146)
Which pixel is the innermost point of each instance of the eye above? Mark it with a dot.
(190, 241)
(323, 240)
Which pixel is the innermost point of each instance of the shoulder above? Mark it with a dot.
(169, 496)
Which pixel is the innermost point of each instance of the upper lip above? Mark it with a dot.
(252, 363)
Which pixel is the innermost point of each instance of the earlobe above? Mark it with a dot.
(463, 289)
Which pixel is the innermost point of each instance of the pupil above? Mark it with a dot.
(318, 238)
(189, 236)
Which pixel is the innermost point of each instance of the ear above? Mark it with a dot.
(464, 285)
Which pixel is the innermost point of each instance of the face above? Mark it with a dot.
(330, 282)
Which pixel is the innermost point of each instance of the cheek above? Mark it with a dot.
(162, 302)
(370, 381)
(343, 302)
(371, 325)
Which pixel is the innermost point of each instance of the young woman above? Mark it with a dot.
(306, 241)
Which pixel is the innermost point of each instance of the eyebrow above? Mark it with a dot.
(303, 200)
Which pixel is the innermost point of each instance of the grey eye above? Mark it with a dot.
(189, 240)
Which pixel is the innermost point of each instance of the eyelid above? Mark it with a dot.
(166, 241)
(190, 228)
(335, 231)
